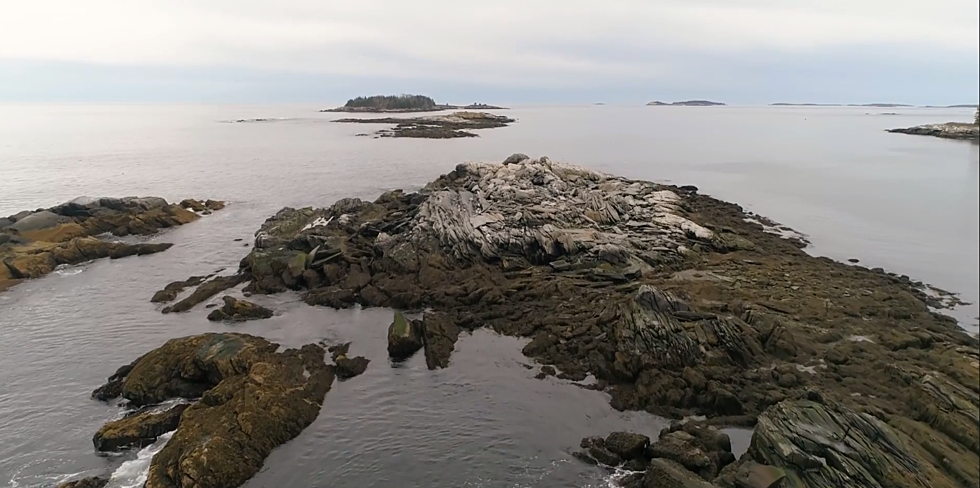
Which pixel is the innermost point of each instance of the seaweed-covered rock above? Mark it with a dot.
(236, 310)
(138, 430)
(404, 337)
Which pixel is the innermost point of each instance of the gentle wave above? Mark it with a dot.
(132, 474)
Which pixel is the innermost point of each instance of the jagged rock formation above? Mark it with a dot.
(137, 430)
(677, 303)
(34, 243)
(404, 337)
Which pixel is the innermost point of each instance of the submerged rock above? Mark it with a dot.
(205, 291)
(169, 293)
(236, 310)
(404, 337)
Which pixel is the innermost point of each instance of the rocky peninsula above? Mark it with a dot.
(456, 124)
(391, 103)
(949, 130)
(668, 300)
(34, 242)
(686, 103)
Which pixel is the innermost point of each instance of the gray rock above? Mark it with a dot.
(605, 456)
(37, 221)
(516, 158)
(5, 222)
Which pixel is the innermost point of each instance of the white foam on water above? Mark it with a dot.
(132, 474)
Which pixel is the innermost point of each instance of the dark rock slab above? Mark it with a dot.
(235, 310)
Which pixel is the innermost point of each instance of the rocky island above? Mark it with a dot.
(483, 106)
(391, 103)
(687, 103)
(34, 242)
(456, 124)
(949, 130)
(668, 300)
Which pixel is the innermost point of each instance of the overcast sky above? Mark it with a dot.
(548, 51)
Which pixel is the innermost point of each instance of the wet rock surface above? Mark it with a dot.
(676, 303)
(34, 243)
(249, 400)
(235, 310)
(347, 367)
(137, 430)
(456, 124)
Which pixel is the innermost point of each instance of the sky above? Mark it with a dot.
(520, 51)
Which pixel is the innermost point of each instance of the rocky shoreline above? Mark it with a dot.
(670, 301)
(950, 130)
(34, 243)
(454, 125)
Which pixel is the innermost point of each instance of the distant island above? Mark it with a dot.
(482, 106)
(391, 103)
(686, 103)
(785, 104)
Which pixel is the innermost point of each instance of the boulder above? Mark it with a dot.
(347, 367)
(664, 473)
(404, 337)
(235, 310)
(627, 445)
(57, 233)
(137, 431)
(754, 475)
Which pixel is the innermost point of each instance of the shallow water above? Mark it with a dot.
(909, 204)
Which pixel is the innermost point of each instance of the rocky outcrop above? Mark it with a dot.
(251, 400)
(33, 244)
(235, 310)
(137, 430)
(169, 293)
(404, 337)
(950, 130)
(456, 124)
(674, 302)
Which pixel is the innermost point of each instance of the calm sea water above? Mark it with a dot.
(909, 204)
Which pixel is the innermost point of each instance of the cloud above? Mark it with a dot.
(510, 44)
